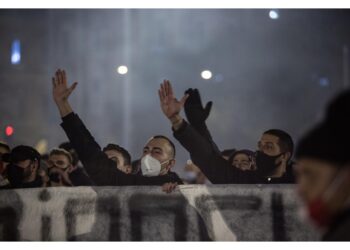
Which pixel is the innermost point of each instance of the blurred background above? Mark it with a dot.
(262, 69)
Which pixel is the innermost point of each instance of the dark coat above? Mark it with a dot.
(100, 169)
(205, 154)
(339, 230)
(79, 177)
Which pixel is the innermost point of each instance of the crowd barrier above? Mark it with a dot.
(140, 213)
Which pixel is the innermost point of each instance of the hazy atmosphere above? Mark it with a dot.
(270, 69)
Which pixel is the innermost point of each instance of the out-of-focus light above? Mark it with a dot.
(219, 78)
(273, 14)
(9, 130)
(324, 82)
(16, 52)
(122, 70)
(206, 74)
(42, 146)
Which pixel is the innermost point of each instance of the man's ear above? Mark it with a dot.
(128, 169)
(171, 164)
(286, 156)
(35, 165)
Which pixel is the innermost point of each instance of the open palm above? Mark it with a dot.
(60, 90)
(169, 104)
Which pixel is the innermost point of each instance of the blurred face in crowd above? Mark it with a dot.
(118, 158)
(30, 168)
(269, 144)
(3, 165)
(59, 165)
(313, 178)
(319, 180)
(160, 149)
(3, 150)
(242, 161)
(60, 161)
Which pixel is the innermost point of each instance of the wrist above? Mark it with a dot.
(176, 121)
(61, 102)
(175, 118)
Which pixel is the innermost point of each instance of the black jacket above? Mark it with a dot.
(339, 230)
(79, 177)
(218, 170)
(100, 169)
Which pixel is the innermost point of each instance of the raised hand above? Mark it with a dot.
(171, 107)
(60, 90)
(195, 112)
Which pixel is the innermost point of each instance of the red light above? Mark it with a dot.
(9, 130)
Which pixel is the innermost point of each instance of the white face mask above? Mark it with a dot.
(150, 166)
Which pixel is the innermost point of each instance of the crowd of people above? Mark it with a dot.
(321, 170)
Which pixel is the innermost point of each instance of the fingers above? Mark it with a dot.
(162, 91)
(53, 82)
(64, 78)
(208, 107)
(197, 97)
(74, 85)
(169, 187)
(60, 77)
(169, 89)
(190, 93)
(183, 99)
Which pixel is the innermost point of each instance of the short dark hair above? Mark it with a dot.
(22, 153)
(4, 145)
(172, 145)
(285, 140)
(61, 151)
(123, 151)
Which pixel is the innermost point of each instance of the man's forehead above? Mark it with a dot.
(3, 150)
(269, 138)
(58, 157)
(112, 151)
(157, 143)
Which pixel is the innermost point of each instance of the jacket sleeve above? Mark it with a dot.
(100, 169)
(217, 169)
(205, 133)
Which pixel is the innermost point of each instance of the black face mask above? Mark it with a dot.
(33, 184)
(54, 177)
(15, 175)
(266, 164)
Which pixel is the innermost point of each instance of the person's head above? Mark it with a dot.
(120, 156)
(24, 164)
(60, 158)
(158, 156)
(68, 147)
(275, 148)
(4, 150)
(243, 160)
(323, 164)
(323, 173)
(60, 163)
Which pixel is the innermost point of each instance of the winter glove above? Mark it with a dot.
(195, 112)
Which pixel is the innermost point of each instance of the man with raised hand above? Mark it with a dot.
(157, 159)
(272, 158)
